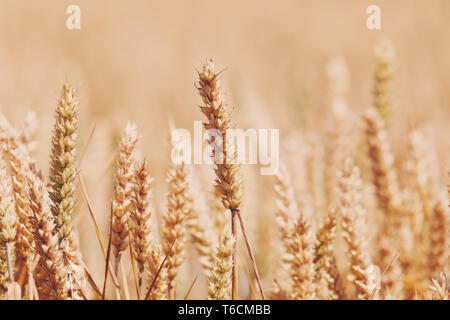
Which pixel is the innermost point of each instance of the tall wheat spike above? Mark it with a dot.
(123, 192)
(226, 169)
(62, 160)
(140, 223)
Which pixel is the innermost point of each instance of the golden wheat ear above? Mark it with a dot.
(140, 222)
(174, 231)
(52, 279)
(123, 192)
(387, 191)
(219, 280)
(384, 70)
(62, 162)
(351, 210)
(438, 255)
(8, 228)
(325, 260)
(22, 176)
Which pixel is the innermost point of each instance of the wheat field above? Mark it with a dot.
(92, 205)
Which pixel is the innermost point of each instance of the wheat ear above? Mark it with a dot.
(227, 183)
(439, 289)
(219, 279)
(62, 162)
(29, 131)
(52, 281)
(286, 204)
(301, 260)
(325, 260)
(297, 239)
(384, 56)
(8, 221)
(140, 217)
(203, 243)
(123, 192)
(384, 178)
(19, 165)
(158, 279)
(201, 226)
(438, 257)
(174, 232)
(351, 209)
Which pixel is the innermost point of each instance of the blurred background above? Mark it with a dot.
(138, 61)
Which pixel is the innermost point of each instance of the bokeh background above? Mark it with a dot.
(137, 61)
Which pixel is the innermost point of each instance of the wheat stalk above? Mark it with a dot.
(227, 183)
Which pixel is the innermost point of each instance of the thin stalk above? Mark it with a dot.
(250, 253)
(234, 270)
